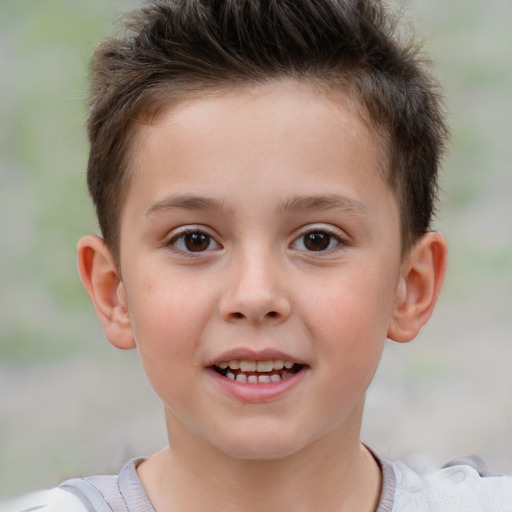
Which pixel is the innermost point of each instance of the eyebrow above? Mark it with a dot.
(299, 203)
(187, 202)
(296, 203)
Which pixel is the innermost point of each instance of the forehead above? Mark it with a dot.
(269, 136)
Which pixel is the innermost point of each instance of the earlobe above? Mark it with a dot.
(102, 280)
(421, 279)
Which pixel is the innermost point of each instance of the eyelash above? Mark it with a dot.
(180, 237)
(340, 242)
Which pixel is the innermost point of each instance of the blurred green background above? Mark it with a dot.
(70, 404)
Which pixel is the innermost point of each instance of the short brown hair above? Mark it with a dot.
(175, 49)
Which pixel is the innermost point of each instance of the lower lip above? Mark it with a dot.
(257, 392)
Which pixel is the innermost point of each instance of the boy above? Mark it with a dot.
(264, 176)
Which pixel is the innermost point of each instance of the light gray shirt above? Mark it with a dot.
(457, 488)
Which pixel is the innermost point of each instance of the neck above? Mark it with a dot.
(335, 473)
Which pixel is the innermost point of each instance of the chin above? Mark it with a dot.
(261, 446)
(260, 453)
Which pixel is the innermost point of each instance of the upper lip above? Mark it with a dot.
(247, 354)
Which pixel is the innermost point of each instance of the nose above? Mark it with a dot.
(255, 293)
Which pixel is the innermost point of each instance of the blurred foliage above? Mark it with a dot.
(45, 49)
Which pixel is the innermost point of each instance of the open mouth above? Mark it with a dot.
(257, 371)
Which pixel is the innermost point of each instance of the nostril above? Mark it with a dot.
(238, 315)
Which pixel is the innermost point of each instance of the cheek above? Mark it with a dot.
(168, 319)
(166, 335)
(350, 322)
(352, 306)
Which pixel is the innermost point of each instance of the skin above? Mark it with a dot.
(255, 172)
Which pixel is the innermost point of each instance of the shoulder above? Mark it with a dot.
(102, 493)
(53, 500)
(96, 493)
(459, 487)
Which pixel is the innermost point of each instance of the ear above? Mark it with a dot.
(102, 280)
(421, 279)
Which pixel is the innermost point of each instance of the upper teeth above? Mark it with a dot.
(255, 366)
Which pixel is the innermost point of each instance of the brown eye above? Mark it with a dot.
(193, 241)
(196, 242)
(318, 241)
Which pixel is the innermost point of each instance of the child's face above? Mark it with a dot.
(258, 227)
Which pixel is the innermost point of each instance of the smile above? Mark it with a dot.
(255, 372)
